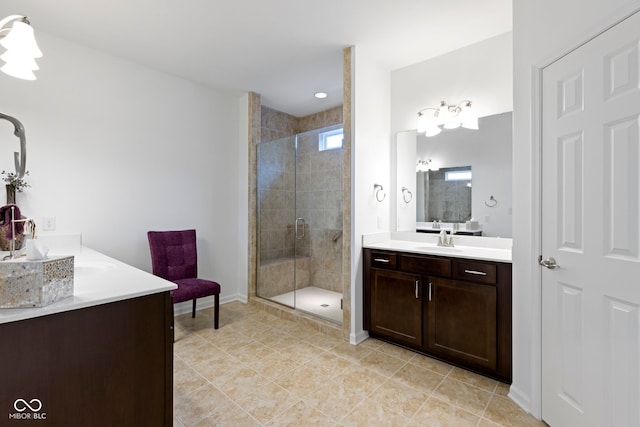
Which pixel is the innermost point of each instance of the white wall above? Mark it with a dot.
(370, 165)
(116, 149)
(481, 73)
(542, 30)
(488, 152)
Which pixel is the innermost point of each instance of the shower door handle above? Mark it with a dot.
(299, 235)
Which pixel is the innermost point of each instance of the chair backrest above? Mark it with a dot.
(173, 254)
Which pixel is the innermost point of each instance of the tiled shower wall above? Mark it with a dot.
(319, 202)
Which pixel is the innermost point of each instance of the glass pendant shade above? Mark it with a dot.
(21, 39)
(454, 124)
(422, 123)
(444, 116)
(21, 50)
(468, 118)
(471, 123)
(432, 130)
(18, 65)
(18, 72)
(17, 58)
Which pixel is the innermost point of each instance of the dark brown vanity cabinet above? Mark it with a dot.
(104, 365)
(458, 310)
(394, 292)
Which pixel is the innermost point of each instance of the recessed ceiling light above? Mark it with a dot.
(320, 95)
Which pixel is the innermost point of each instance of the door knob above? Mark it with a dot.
(550, 263)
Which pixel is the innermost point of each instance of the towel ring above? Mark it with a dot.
(405, 190)
(378, 188)
(492, 202)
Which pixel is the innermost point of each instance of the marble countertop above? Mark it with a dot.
(471, 247)
(98, 279)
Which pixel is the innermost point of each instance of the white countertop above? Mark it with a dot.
(98, 279)
(471, 247)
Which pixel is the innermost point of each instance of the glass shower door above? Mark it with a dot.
(300, 222)
(276, 275)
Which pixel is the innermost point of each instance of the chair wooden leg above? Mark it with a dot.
(216, 311)
(193, 311)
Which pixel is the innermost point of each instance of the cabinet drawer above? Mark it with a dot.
(475, 271)
(383, 260)
(426, 265)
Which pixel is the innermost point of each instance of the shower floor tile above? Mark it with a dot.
(314, 300)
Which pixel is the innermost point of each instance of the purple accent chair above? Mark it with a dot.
(174, 257)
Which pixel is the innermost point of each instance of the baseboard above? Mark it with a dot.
(356, 339)
(206, 302)
(519, 398)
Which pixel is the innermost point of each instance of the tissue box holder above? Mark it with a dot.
(35, 283)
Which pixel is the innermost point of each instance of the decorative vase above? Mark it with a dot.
(11, 194)
(5, 243)
(5, 223)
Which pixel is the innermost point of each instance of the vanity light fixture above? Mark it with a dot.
(21, 49)
(430, 120)
(426, 165)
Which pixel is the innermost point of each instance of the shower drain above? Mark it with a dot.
(324, 305)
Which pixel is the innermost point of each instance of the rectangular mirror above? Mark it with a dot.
(486, 152)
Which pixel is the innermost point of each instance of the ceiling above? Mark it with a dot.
(285, 50)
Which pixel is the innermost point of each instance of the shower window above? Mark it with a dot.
(330, 140)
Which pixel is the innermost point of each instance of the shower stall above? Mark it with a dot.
(299, 223)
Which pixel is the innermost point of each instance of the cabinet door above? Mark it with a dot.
(461, 321)
(396, 306)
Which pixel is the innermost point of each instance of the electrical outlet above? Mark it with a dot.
(49, 223)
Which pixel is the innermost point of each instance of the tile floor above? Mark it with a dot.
(260, 370)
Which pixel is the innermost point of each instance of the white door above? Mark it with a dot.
(591, 228)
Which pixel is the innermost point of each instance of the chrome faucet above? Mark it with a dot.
(445, 240)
